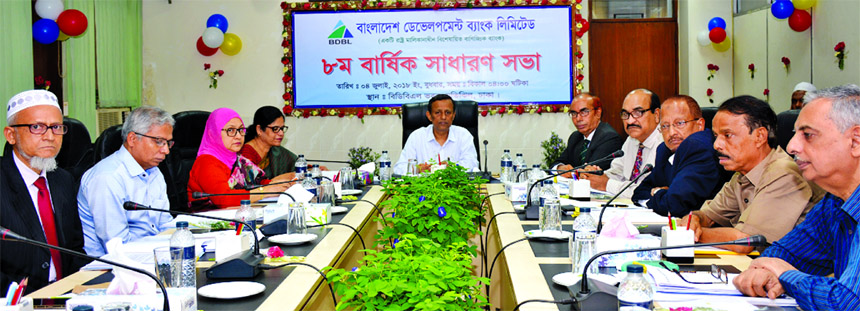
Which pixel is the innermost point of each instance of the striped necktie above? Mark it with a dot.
(585, 144)
(638, 163)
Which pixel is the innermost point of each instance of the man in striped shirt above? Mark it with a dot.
(827, 151)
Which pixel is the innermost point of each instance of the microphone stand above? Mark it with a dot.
(252, 187)
(328, 161)
(7, 235)
(203, 195)
(647, 169)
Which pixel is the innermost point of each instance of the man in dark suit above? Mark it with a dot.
(687, 171)
(592, 140)
(37, 199)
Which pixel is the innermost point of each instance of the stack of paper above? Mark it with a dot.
(669, 282)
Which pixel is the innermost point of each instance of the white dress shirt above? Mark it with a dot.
(422, 146)
(621, 168)
(30, 178)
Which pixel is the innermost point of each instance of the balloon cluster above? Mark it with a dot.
(57, 23)
(798, 18)
(715, 35)
(216, 37)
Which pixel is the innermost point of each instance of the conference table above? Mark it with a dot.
(522, 272)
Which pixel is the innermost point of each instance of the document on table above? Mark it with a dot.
(141, 250)
(670, 287)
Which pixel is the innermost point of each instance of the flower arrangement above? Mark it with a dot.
(710, 93)
(41, 83)
(840, 54)
(712, 69)
(213, 75)
(786, 63)
(552, 149)
(359, 156)
(751, 69)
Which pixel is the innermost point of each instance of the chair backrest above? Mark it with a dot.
(187, 135)
(76, 153)
(708, 113)
(108, 142)
(414, 117)
(785, 126)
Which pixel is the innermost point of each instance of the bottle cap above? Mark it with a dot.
(507, 150)
(384, 151)
(547, 182)
(83, 308)
(181, 224)
(245, 202)
(536, 166)
(519, 154)
(635, 268)
(301, 156)
(316, 165)
(585, 210)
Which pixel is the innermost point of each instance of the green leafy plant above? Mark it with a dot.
(552, 149)
(359, 156)
(416, 274)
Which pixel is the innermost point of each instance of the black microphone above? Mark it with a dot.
(244, 265)
(8, 235)
(532, 211)
(645, 170)
(486, 171)
(252, 187)
(605, 296)
(328, 161)
(202, 195)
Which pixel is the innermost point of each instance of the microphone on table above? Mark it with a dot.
(328, 161)
(203, 195)
(605, 296)
(486, 173)
(8, 235)
(252, 187)
(533, 211)
(647, 169)
(244, 265)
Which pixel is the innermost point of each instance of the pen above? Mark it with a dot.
(689, 217)
(19, 291)
(10, 293)
(670, 222)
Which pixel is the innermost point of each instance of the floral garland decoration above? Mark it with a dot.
(840, 54)
(213, 75)
(581, 25)
(41, 83)
(786, 63)
(712, 69)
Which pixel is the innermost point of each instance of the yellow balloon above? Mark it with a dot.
(232, 44)
(723, 46)
(63, 37)
(803, 4)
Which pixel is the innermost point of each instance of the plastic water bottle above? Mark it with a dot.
(635, 292)
(184, 263)
(301, 166)
(507, 166)
(384, 166)
(584, 233)
(246, 215)
(548, 193)
(519, 166)
(316, 174)
(310, 185)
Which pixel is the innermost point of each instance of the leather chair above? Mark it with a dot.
(187, 134)
(785, 126)
(108, 142)
(708, 113)
(414, 117)
(76, 153)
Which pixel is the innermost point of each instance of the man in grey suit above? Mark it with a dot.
(592, 140)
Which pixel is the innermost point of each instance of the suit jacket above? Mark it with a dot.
(604, 142)
(695, 176)
(18, 214)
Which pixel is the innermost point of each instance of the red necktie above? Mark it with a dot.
(637, 163)
(46, 213)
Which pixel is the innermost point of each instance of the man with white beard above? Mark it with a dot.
(37, 199)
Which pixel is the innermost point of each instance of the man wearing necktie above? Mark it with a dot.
(38, 199)
(592, 140)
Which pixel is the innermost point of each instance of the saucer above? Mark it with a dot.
(292, 239)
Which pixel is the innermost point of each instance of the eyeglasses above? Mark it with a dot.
(636, 113)
(584, 113)
(718, 273)
(678, 125)
(42, 128)
(160, 142)
(232, 131)
(277, 129)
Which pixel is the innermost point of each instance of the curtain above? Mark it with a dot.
(80, 70)
(118, 50)
(16, 60)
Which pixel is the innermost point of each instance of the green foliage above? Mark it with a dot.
(414, 207)
(418, 274)
(552, 149)
(361, 155)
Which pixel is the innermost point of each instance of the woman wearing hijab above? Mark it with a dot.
(219, 169)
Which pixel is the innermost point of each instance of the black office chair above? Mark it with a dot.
(785, 126)
(414, 117)
(187, 135)
(76, 153)
(708, 114)
(108, 142)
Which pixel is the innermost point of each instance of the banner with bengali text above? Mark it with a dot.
(387, 58)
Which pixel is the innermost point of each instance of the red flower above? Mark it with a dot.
(578, 1)
(344, 6)
(363, 3)
(839, 47)
(510, 2)
(47, 83)
(456, 5)
(477, 2)
(306, 113)
(40, 80)
(287, 96)
(751, 66)
(710, 66)
(502, 110)
(437, 6)
(325, 6)
(579, 54)
(380, 4)
(710, 92)
(220, 72)
(284, 5)
(341, 114)
(288, 109)
(287, 78)
(544, 2)
(398, 4)
(484, 113)
(766, 92)
(528, 2)
(539, 109)
(306, 6)
(717, 68)
(579, 77)
(323, 112)
(285, 43)
(786, 61)
(284, 61)
(577, 17)
(417, 3)
(494, 3)
(206, 66)
(360, 113)
(286, 23)
(520, 109)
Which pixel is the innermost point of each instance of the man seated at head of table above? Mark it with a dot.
(219, 169)
(592, 140)
(767, 195)
(440, 141)
(129, 174)
(639, 112)
(686, 170)
(826, 147)
(37, 199)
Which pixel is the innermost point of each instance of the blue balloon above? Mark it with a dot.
(716, 22)
(217, 21)
(782, 9)
(46, 31)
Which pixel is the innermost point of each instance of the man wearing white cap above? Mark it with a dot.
(37, 199)
(799, 91)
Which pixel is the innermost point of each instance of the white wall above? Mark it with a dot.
(750, 45)
(834, 21)
(174, 80)
(782, 41)
(693, 59)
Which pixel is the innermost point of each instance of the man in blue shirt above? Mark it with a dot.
(440, 141)
(129, 174)
(826, 148)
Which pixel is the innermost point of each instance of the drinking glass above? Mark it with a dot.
(412, 167)
(550, 216)
(325, 192)
(347, 178)
(296, 219)
(165, 270)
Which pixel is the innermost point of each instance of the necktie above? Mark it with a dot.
(638, 163)
(46, 213)
(584, 149)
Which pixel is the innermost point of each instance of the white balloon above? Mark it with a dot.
(703, 38)
(213, 37)
(49, 9)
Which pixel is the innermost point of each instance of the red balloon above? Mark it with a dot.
(72, 22)
(800, 20)
(203, 49)
(717, 35)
